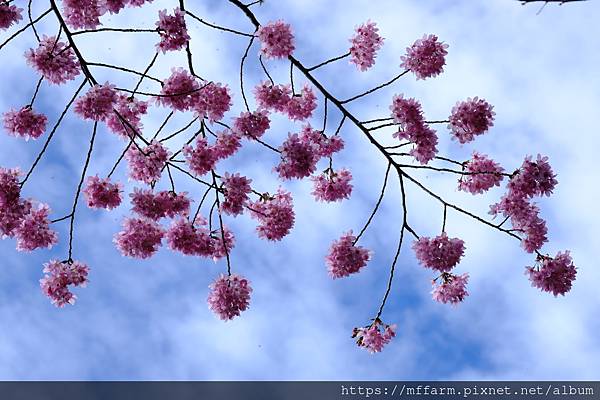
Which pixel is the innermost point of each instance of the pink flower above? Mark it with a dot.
(277, 40)
(534, 178)
(553, 275)
(159, 205)
(272, 97)
(189, 239)
(440, 253)
(365, 44)
(9, 14)
(179, 91)
(483, 174)
(301, 107)
(102, 193)
(172, 30)
(82, 14)
(471, 118)
(300, 153)
(146, 165)
(236, 189)
(452, 289)
(524, 218)
(54, 60)
(408, 114)
(98, 103)
(426, 57)
(58, 276)
(25, 123)
(212, 102)
(12, 208)
(252, 125)
(220, 247)
(332, 185)
(229, 296)
(126, 121)
(374, 337)
(226, 145)
(140, 238)
(275, 215)
(200, 159)
(345, 257)
(34, 230)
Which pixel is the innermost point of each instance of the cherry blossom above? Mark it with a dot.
(440, 253)
(345, 258)
(25, 123)
(33, 232)
(277, 39)
(452, 289)
(553, 275)
(332, 185)
(373, 338)
(229, 296)
(426, 57)
(59, 276)
(9, 15)
(102, 193)
(484, 174)
(146, 165)
(275, 215)
(172, 30)
(365, 44)
(54, 60)
(140, 238)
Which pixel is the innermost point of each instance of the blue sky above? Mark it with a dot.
(149, 319)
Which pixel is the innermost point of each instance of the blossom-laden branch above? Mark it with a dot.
(152, 159)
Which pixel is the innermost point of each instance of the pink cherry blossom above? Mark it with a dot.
(12, 208)
(58, 276)
(272, 97)
(172, 30)
(226, 145)
(277, 39)
(534, 178)
(440, 253)
(34, 230)
(159, 205)
(365, 44)
(406, 112)
(102, 193)
(426, 57)
(483, 174)
(470, 118)
(553, 275)
(82, 14)
(202, 158)
(332, 185)
(212, 102)
(146, 165)
(220, 247)
(98, 103)
(345, 258)
(179, 91)
(275, 215)
(25, 123)
(298, 158)
(252, 125)
(54, 60)
(190, 239)
(236, 189)
(301, 106)
(373, 338)
(126, 121)
(140, 238)
(229, 296)
(9, 15)
(452, 289)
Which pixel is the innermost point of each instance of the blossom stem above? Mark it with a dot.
(376, 88)
(377, 204)
(329, 61)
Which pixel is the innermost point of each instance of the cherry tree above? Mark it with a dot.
(220, 125)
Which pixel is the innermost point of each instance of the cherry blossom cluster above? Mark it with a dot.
(102, 193)
(426, 57)
(86, 14)
(25, 123)
(345, 258)
(553, 275)
(172, 30)
(409, 115)
(365, 44)
(54, 60)
(534, 178)
(374, 337)
(229, 296)
(277, 39)
(59, 276)
(23, 219)
(9, 15)
(297, 107)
